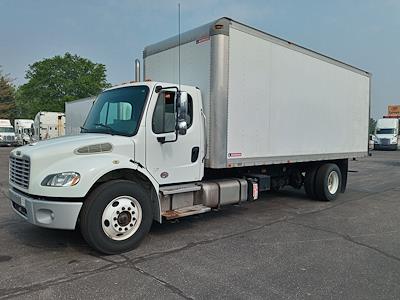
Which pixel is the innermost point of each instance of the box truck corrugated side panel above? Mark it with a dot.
(284, 104)
(269, 95)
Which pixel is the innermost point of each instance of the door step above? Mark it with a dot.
(186, 211)
(179, 188)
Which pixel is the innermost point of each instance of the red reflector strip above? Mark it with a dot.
(235, 154)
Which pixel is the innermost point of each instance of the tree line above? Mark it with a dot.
(50, 83)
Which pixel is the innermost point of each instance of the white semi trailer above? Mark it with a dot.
(254, 112)
(76, 113)
(48, 125)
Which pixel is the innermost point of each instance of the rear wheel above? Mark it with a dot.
(328, 182)
(309, 182)
(116, 216)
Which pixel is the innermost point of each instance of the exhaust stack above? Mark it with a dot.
(137, 69)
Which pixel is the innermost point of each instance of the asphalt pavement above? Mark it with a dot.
(282, 246)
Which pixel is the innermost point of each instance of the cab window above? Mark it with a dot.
(164, 115)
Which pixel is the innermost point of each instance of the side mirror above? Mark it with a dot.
(182, 127)
(182, 109)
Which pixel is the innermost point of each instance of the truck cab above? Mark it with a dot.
(387, 134)
(137, 137)
(7, 135)
(23, 131)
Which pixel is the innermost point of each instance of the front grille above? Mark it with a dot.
(20, 168)
(385, 141)
(9, 138)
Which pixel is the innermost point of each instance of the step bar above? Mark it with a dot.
(186, 211)
(180, 188)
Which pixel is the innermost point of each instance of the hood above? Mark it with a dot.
(63, 147)
(60, 155)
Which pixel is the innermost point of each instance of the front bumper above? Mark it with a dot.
(50, 214)
(8, 143)
(385, 147)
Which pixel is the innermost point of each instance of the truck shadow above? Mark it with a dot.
(43, 238)
(271, 205)
(268, 204)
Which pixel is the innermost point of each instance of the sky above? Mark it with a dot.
(365, 34)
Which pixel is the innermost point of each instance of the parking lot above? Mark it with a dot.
(282, 246)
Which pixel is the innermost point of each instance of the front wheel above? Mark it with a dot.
(116, 217)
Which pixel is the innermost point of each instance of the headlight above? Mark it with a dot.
(62, 179)
(393, 140)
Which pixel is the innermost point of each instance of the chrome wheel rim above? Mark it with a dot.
(121, 218)
(333, 182)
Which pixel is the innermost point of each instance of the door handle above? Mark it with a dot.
(195, 153)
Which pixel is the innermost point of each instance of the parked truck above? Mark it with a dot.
(252, 113)
(76, 113)
(7, 135)
(387, 134)
(48, 125)
(23, 131)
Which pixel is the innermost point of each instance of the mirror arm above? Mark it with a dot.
(159, 88)
(161, 139)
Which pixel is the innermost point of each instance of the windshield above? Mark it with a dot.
(6, 129)
(385, 131)
(117, 111)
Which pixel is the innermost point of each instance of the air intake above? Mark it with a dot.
(96, 148)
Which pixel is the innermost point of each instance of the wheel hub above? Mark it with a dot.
(121, 218)
(124, 218)
(333, 182)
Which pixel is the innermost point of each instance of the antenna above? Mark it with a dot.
(179, 46)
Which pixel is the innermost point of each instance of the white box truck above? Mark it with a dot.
(253, 113)
(387, 134)
(23, 131)
(48, 125)
(76, 113)
(7, 135)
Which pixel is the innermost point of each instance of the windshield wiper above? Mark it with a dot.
(110, 129)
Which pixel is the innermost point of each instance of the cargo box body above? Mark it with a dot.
(267, 100)
(76, 113)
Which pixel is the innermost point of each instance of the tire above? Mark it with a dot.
(309, 182)
(328, 182)
(116, 216)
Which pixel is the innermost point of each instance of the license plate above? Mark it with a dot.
(20, 200)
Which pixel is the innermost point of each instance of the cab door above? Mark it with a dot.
(171, 158)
